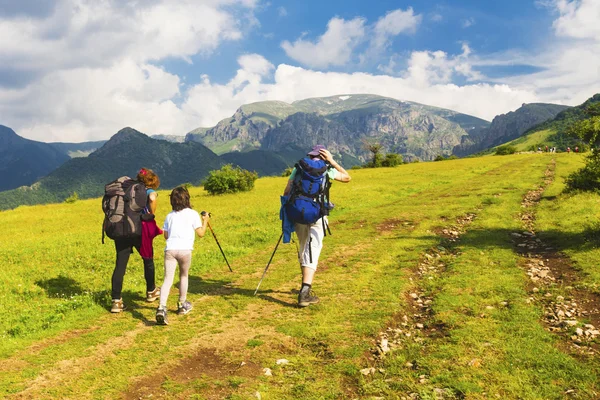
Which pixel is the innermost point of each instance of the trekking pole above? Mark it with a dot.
(269, 263)
(217, 240)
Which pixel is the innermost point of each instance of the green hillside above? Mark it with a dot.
(24, 161)
(124, 154)
(463, 279)
(553, 132)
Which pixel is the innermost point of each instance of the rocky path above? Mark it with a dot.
(569, 311)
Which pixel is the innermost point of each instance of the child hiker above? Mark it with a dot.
(180, 229)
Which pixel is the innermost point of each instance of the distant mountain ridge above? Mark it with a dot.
(553, 132)
(24, 161)
(507, 127)
(124, 154)
(342, 123)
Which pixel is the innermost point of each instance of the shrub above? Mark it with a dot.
(72, 198)
(439, 157)
(230, 179)
(287, 171)
(186, 185)
(586, 178)
(391, 160)
(506, 149)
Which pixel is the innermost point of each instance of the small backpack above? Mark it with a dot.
(122, 204)
(309, 199)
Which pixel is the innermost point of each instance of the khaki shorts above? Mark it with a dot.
(311, 243)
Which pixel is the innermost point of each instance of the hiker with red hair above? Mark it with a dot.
(143, 244)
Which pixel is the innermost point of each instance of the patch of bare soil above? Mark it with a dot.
(16, 363)
(392, 224)
(66, 370)
(569, 311)
(206, 373)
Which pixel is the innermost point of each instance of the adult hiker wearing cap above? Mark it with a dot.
(310, 235)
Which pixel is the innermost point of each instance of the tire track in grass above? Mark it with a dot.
(62, 378)
(570, 312)
(415, 332)
(65, 372)
(417, 323)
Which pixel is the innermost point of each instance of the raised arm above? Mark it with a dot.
(342, 175)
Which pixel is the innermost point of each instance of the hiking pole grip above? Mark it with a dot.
(269, 263)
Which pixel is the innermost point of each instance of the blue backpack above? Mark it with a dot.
(309, 199)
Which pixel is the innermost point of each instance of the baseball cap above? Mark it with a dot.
(315, 150)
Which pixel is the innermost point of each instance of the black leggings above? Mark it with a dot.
(124, 249)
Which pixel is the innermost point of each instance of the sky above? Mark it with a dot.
(80, 70)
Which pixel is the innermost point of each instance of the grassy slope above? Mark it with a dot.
(60, 341)
(535, 139)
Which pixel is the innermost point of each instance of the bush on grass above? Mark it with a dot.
(505, 150)
(229, 179)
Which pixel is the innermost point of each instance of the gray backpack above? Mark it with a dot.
(122, 204)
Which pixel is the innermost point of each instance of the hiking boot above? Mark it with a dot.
(117, 306)
(306, 298)
(184, 308)
(161, 316)
(153, 295)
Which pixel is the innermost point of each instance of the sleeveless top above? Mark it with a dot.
(146, 209)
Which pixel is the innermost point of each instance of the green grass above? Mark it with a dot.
(59, 340)
(535, 139)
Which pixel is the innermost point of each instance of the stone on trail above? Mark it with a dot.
(267, 371)
(367, 371)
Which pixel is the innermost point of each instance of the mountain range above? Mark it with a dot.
(265, 137)
(506, 127)
(343, 123)
(124, 154)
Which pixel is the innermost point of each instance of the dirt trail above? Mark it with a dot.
(219, 352)
(569, 311)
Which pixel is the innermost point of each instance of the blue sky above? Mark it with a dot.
(487, 26)
(77, 70)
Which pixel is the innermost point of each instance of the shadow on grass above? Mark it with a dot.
(60, 286)
(503, 238)
(223, 288)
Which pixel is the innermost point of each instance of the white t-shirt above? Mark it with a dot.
(182, 226)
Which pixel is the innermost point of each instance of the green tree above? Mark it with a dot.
(377, 158)
(588, 130)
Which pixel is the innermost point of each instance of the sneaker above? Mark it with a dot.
(153, 295)
(161, 316)
(117, 306)
(184, 308)
(306, 298)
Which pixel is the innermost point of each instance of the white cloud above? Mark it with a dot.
(391, 25)
(82, 70)
(578, 19)
(334, 47)
(90, 72)
(282, 12)
(468, 22)
(436, 17)
(569, 66)
(426, 67)
(212, 102)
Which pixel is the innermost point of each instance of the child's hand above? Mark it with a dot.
(205, 216)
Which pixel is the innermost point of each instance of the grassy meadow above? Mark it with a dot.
(463, 329)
